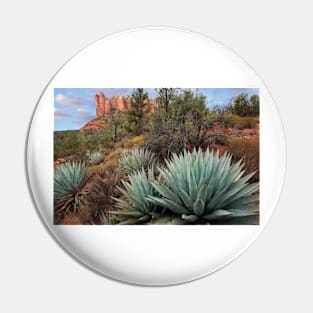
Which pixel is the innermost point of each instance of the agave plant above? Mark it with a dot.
(205, 187)
(95, 158)
(132, 161)
(135, 208)
(69, 179)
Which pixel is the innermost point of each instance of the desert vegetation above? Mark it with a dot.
(182, 163)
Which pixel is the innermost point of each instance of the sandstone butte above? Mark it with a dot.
(106, 105)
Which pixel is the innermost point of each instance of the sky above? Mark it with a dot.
(74, 107)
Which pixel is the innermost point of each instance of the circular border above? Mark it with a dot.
(29, 169)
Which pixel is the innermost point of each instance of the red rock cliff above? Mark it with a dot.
(104, 107)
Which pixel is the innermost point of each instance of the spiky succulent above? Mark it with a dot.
(69, 178)
(135, 208)
(205, 187)
(69, 181)
(95, 158)
(135, 160)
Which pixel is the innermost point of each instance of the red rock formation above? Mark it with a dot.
(105, 106)
(121, 104)
(94, 124)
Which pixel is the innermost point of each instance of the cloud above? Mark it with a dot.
(60, 114)
(70, 99)
(84, 116)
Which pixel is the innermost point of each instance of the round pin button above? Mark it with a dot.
(155, 156)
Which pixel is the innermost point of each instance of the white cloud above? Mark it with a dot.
(69, 100)
(84, 116)
(60, 114)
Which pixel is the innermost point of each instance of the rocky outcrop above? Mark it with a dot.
(94, 124)
(107, 105)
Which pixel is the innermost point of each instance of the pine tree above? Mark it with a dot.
(136, 114)
(166, 96)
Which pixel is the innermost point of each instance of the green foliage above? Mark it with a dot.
(116, 126)
(188, 103)
(221, 115)
(69, 178)
(185, 126)
(134, 160)
(66, 143)
(94, 158)
(69, 181)
(204, 187)
(75, 143)
(190, 187)
(135, 208)
(166, 97)
(243, 106)
(135, 116)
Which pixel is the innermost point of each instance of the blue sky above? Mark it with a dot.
(74, 107)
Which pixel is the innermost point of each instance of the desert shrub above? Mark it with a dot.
(99, 201)
(113, 157)
(67, 143)
(242, 105)
(75, 143)
(131, 143)
(244, 122)
(173, 133)
(247, 149)
(96, 169)
(221, 115)
(204, 187)
(134, 160)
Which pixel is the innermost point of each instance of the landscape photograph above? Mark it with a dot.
(156, 156)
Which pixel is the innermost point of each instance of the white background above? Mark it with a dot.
(274, 274)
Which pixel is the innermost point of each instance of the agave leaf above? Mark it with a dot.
(198, 207)
(217, 214)
(190, 218)
(168, 204)
(185, 198)
(166, 192)
(241, 213)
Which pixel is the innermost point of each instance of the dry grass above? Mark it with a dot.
(244, 122)
(248, 150)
